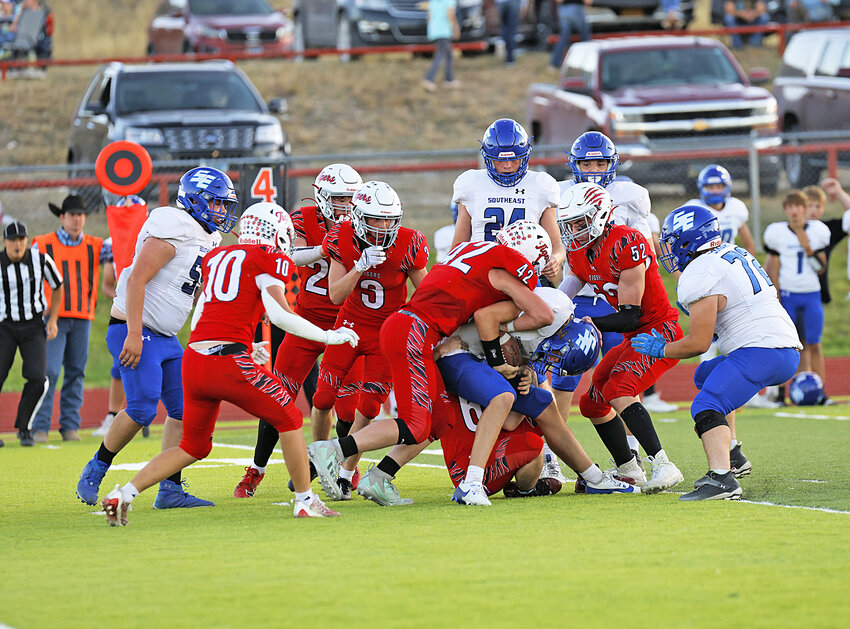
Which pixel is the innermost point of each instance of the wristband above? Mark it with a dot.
(493, 353)
(511, 327)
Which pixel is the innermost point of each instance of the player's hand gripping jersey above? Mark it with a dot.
(314, 302)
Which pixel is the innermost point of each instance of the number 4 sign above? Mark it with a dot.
(262, 183)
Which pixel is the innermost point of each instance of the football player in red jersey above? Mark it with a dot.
(474, 275)
(620, 264)
(240, 282)
(334, 188)
(371, 259)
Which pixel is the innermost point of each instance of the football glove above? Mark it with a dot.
(260, 355)
(371, 256)
(649, 344)
(342, 335)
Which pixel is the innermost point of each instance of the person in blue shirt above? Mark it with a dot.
(442, 29)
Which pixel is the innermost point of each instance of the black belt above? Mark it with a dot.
(226, 349)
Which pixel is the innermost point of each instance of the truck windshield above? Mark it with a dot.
(229, 7)
(166, 91)
(671, 66)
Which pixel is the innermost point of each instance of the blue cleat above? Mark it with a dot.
(90, 480)
(172, 496)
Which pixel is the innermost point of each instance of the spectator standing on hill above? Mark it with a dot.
(745, 13)
(442, 30)
(838, 227)
(509, 13)
(78, 256)
(22, 325)
(810, 10)
(571, 18)
(796, 255)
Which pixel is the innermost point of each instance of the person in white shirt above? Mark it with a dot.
(728, 296)
(795, 258)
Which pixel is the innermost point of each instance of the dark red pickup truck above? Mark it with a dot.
(657, 94)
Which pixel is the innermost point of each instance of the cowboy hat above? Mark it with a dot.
(72, 203)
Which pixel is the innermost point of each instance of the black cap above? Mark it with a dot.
(15, 229)
(72, 203)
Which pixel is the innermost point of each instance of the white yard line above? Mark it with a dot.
(838, 418)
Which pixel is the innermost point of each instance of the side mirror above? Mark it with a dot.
(278, 106)
(759, 76)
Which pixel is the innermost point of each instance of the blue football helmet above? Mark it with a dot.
(806, 389)
(208, 195)
(714, 174)
(594, 145)
(687, 230)
(571, 351)
(454, 209)
(505, 140)
(131, 199)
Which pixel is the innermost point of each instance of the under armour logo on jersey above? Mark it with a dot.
(683, 221)
(586, 342)
(519, 191)
(146, 338)
(348, 323)
(202, 178)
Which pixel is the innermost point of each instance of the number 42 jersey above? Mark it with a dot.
(753, 316)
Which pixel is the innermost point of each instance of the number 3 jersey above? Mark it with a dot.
(753, 316)
(170, 294)
(622, 248)
(492, 206)
(314, 301)
(382, 289)
(233, 304)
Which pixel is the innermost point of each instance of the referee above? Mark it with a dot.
(23, 272)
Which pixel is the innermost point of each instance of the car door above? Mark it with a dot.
(831, 86)
(90, 128)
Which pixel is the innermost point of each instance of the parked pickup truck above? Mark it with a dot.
(652, 95)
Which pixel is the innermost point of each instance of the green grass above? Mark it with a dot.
(597, 561)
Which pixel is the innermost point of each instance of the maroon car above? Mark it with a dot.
(216, 26)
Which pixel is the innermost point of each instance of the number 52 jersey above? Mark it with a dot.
(170, 294)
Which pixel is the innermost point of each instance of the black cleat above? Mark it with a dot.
(544, 487)
(715, 486)
(344, 487)
(313, 475)
(740, 465)
(146, 431)
(26, 438)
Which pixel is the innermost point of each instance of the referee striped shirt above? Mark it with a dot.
(22, 285)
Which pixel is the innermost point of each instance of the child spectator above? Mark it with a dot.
(815, 204)
(442, 29)
(835, 192)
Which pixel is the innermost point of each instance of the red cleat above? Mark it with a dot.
(248, 485)
(355, 480)
(115, 508)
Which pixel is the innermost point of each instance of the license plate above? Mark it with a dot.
(255, 50)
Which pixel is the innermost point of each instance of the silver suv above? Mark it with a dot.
(812, 92)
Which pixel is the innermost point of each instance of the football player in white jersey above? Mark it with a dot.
(506, 192)
(715, 189)
(795, 257)
(727, 294)
(153, 300)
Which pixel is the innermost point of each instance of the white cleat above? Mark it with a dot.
(115, 507)
(610, 485)
(104, 426)
(316, 509)
(552, 469)
(469, 494)
(654, 404)
(632, 470)
(326, 460)
(662, 474)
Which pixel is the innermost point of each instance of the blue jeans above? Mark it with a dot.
(70, 349)
(444, 51)
(737, 39)
(509, 14)
(571, 17)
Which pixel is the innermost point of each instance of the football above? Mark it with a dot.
(511, 350)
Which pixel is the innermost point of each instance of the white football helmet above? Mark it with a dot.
(530, 239)
(585, 209)
(267, 224)
(561, 305)
(377, 200)
(336, 180)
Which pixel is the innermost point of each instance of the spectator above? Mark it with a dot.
(795, 257)
(442, 29)
(7, 11)
(673, 16)
(810, 10)
(79, 256)
(816, 203)
(571, 17)
(509, 13)
(21, 320)
(835, 192)
(745, 13)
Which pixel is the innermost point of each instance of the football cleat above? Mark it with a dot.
(471, 494)
(379, 488)
(631, 472)
(609, 485)
(315, 509)
(552, 469)
(715, 486)
(662, 474)
(544, 487)
(172, 496)
(740, 465)
(115, 508)
(654, 404)
(248, 485)
(355, 480)
(90, 479)
(344, 488)
(104, 425)
(313, 475)
(326, 459)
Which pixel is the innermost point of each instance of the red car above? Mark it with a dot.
(215, 26)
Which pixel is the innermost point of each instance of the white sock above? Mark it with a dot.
(548, 455)
(260, 470)
(304, 497)
(346, 474)
(129, 492)
(592, 474)
(633, 443)
(733, 444)
(721, 472)
(474, 475)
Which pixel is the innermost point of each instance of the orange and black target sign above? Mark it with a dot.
(123, 167)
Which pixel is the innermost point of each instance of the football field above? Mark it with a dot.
(779, 558)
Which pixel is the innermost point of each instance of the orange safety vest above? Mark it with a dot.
(80, 269)
(125, 223)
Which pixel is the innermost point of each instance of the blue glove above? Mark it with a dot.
(650, 344)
